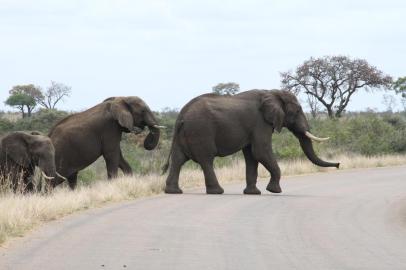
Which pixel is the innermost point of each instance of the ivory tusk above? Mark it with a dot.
(159, 127)
(311, 136)
(46, 176)
(60, 176)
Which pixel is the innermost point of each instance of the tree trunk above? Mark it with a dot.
(29, 111)
(330, 112)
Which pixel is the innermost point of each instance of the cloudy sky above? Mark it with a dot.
(167, 52)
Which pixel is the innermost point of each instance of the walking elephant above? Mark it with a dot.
(212, 125)
(81, 138)
(20, 153)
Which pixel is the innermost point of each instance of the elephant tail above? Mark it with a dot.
(178, 125)
(166, 166)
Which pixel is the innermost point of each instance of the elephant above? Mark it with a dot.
(20, 153)
(213, 125)
(81, 138)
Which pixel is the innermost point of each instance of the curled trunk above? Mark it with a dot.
(152, 139)
(307, 147)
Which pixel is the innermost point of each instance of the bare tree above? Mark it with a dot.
(230, 88)
(314, 105)
(390, 102)
(55, 93)
(332, 80)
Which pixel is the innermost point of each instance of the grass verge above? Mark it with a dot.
(21, 213)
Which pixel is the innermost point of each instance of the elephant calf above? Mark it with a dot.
(20, 153)
(80, 139)
(212, 125)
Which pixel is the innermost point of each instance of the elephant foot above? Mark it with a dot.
(214, 190)
(252, 191)
(274, 187)
(173, 190)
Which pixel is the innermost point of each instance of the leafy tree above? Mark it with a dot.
(400, 86)
(24, 96)
(20, 101)
(333, 80)
(230, 88)
(55, 93)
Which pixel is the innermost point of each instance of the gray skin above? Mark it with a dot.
(80, 139)
(20, 153)
(212, 125)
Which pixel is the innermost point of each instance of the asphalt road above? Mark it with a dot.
(341, 220)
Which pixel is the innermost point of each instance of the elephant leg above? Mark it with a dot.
(112, 164)
(124, 166)
(73, 180)
(267, 158)
(251, 172)
(178, 158)
(212, 184)
(272, 166)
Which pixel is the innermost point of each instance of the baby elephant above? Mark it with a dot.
(20, 153)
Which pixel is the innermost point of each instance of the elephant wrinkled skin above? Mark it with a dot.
(81, 138)
(212, 125)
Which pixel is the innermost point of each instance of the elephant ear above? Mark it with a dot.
(272, 110)
(121, 112)
(16, 148)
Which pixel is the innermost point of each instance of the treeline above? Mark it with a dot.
(366, 133)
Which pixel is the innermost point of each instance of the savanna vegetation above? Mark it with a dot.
(357, 140)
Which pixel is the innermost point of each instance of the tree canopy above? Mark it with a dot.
(27, 97)
(230, 88)
(333, 80)
(24, 97)
(400, 86)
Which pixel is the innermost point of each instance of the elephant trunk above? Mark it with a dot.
(308, 149)
(152, 139)
(48, 169)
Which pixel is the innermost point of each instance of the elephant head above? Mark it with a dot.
(31, 149)
(132, 113)
(282, 109)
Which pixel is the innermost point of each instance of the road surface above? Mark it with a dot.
(340, 220)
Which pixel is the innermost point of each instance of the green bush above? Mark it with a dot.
(42, 121)
(5, 126)
(87, 176)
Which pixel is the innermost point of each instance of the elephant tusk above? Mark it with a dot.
(159, 127)
(60, 176)
(47, 177)
(311, 136)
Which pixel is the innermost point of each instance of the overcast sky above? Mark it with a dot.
(167, 52)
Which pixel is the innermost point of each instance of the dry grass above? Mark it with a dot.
(19, 213)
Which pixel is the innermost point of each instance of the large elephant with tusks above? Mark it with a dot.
(212, 125)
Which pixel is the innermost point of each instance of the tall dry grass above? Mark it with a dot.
(22, 213)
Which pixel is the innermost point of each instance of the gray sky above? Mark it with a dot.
(167, 52)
